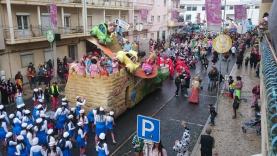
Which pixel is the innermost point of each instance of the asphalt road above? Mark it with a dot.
(170, 110)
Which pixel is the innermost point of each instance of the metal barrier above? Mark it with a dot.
(269, 71)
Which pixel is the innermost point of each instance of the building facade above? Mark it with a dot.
(194, 10)
(24, 23)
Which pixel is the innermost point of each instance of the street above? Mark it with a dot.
(163, 105)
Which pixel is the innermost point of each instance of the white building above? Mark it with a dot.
(195, 9)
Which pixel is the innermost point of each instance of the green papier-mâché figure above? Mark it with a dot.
(103, 32)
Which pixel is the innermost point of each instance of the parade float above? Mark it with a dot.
(118, 91)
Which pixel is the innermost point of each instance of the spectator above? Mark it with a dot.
(213, 114)
(158, 150)
(181, 146)
(207, 143)
(236, 106)
(54, 92)
(19, 79)
(31, 74)
(40, 75)
(138, 145)
(177, 84)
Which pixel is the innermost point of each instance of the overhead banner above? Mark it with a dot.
(213, 13)
(143, 15)
(53, 15)
(240, 12)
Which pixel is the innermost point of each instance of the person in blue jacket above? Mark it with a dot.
(91, 115)
(41, 133)
(3, 129)
(16, 126)
(67, 145)
(21, 148)
(81, 140)
(110, 124)
(102, 146)
(100, 123)
(11, 143)
(70, 127)
(36, 150)
(61, 117)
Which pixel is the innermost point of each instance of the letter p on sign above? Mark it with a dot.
(148, 128)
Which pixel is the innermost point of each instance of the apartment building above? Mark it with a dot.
(194, 10)
(157, 18)
(24, 24)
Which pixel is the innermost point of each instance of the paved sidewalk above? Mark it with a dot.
(228, 135)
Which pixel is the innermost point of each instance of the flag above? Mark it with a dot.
(143, 15)
(53, 15)
(213, 13)
(240, 12)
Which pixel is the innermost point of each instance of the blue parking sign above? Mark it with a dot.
(148, 128)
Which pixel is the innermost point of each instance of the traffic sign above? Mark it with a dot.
(148, 128)
(222, 43)
(50, 36)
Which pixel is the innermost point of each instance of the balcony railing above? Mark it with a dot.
(38, 33)
(175, 23)
(269, 81)
(110, 4)
(122, 4)
(44, 2)
(144, 5)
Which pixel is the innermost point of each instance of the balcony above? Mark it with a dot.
(269, 96)
(63, 3)
(38, 34)
(111, 4)
(146, 25)
(144, 5)
(175, 23)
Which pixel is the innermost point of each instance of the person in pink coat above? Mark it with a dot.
(94, 69)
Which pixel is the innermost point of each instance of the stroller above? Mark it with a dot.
(252, 124)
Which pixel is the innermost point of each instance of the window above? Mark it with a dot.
(144, 35)
(188, 17)
(90, 21)
(188, 8)
(182, 7)
(159, 18)
(123, 17)
(135, 38)
(152, 35)
(222, 7)
(257, 7)
(136, 19)
(194, 8)
(67, 21)
(72, 52)
(108, 18)
(48, 54)
(152, 18)
(248, 7)
(231, 7)
(203, 8)
(26, 59)
(164, 17)
(22, 22)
